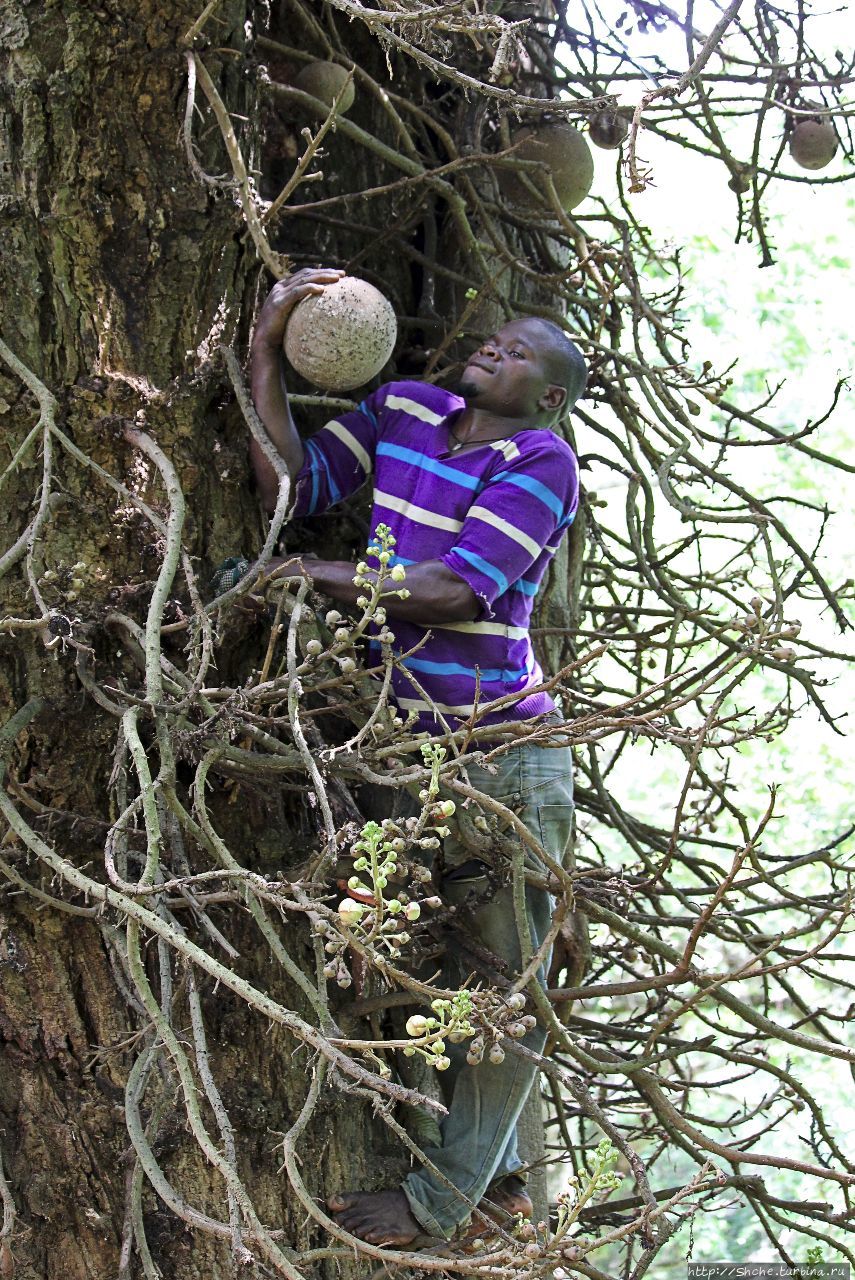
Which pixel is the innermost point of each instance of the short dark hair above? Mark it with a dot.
(564, 359)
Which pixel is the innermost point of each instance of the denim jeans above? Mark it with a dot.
(479, 1138)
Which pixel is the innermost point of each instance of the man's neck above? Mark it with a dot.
(480, 424)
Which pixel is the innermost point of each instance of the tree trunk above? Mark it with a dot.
(122, 273)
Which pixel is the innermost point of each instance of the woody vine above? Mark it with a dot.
(666, 635)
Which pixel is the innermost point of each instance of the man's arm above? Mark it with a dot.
(517, 520)
(437, 594)
(268, 391)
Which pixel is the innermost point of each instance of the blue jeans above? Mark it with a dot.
(479, 1138)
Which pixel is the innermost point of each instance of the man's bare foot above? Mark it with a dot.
(380, 1217)
(502, 1200)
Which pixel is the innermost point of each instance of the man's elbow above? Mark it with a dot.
(267, 494)
(266, 479)
(460, 604)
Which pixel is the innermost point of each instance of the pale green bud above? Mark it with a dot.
(350, 912)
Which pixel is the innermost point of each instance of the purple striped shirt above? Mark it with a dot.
(493, 514)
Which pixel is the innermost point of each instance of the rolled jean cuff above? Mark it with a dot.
(424, 1218)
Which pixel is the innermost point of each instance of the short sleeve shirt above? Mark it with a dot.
(494, 515)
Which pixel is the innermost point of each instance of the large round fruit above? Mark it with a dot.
(608, 130)
(341, 338)
(813, 144)
(569, 162)
(325, 80)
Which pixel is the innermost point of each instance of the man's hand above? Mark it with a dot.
(434, 593)
(281, 301)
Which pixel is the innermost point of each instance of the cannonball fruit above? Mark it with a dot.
(341, 338)
(325, 80)
(608, 130)
(813, 144)
(568, 159)
(740, 180)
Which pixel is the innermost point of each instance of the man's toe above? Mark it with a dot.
(354, 1222)
(338, 1203)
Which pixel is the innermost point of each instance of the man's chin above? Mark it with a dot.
(468, 388)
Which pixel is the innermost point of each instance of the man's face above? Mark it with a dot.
(507, 375)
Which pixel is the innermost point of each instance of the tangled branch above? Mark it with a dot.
(714, 957)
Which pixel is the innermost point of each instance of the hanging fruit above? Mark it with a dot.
(608, 129)
(813, 143)
(325, 80)
(568, 161)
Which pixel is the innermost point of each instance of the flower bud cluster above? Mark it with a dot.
(448, 1022)
(435, 812)
(68, 580)
(339, 649)
(335, 968)
(600, 1178)
(482, 1017)
(762, 633)
(498, 1016)
(373, 583)
(550, 1243)
(378, 907)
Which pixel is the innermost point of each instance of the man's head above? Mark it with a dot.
(529, 369)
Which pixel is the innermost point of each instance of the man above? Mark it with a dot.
(478, 492)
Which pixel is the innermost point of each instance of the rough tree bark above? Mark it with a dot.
(120, 274)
